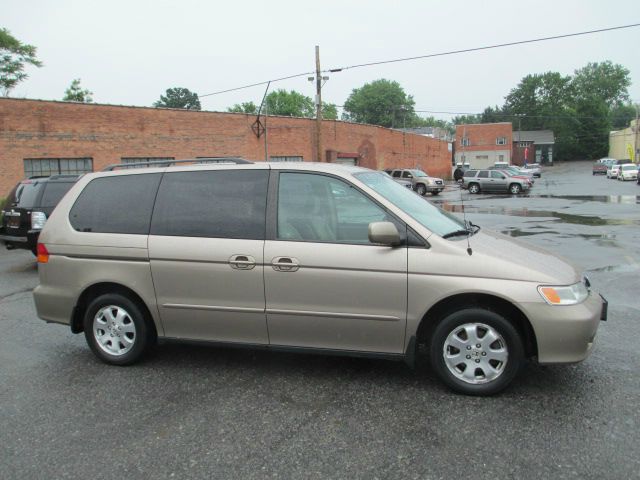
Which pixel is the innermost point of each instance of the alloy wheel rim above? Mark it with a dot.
(475, 353)
(114, 330)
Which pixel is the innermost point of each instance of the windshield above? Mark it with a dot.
(418, 173)
(628, 167)
(436, 220)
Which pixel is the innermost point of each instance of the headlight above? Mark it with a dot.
(37, 220)
(429, 181)
(564, 295)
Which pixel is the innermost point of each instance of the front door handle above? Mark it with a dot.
(242, 262)
(285, 264)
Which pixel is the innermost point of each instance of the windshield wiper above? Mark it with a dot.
(457, 233)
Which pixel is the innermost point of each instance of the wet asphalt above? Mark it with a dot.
(202, 412)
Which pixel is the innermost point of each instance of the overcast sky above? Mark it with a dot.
(130, 52)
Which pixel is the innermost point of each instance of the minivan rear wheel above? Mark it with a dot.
(475, 351)
(116, 329)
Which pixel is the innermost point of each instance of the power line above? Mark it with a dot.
(487, 47)
(431, 55)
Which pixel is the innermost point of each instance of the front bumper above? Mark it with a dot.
(435, 188)
(566, 334)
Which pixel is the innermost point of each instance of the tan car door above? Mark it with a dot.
(326, 286)
(206, 252)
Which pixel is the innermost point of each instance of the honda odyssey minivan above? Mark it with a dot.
(304, 257)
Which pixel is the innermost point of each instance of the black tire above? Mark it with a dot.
(509, 339)
(515, 189)
(474, 188)
(134, 345)
(421, 189)
(435, 192)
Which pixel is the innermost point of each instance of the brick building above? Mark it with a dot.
(483, 144)
(45, 137)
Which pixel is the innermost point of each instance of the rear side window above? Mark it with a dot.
(214, 204)
(483, 174)
(470, 173)
(53, 193)
(120, 204)
(25, 195)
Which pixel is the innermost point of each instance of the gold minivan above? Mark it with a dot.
(304, 257)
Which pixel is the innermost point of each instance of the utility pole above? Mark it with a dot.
(635, 143)
(318, 107)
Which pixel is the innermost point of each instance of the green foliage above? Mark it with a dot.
(287, 104)
(14, 56)
(179, 98)
(466, 119)
(580, 109)
(381, 102)
(75, 93)
(621, 115)
(244, 107)
(606, 81)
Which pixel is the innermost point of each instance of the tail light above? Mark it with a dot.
(38, 220)
(43, 253)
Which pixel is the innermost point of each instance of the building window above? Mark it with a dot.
(291, 158)
(524, 144)
(501, 158)
(465, 142)
(501, 141)
(128, 160)
(45, 167)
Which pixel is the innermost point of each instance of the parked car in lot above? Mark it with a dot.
(421, 182)
(27, 208)
(496, 181)
(599, 168)
(614, 168)
(628, 171)
(317, 258)
(514, 171)
(534, 168)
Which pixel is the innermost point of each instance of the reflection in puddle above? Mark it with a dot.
(616, 268)
(525, 212)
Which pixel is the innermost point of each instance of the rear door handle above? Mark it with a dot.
(242, 262)
(285, 264)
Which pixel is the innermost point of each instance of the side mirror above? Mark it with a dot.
(384, 233)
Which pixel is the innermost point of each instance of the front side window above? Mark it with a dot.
(435, 219)
(318, 208)
(214, 204)
(396, 173)
(118, 204)
(483, 174)
(497, 175)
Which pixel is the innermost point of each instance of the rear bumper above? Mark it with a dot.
(566, 334)
(27, 242)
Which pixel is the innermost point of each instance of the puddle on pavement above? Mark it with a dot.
(616, 268)
(525, 212)
(626, 199)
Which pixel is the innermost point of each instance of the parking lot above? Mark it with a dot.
(202, 412)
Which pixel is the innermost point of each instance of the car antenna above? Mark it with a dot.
(464, 218)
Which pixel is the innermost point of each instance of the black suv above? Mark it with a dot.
(27, 208)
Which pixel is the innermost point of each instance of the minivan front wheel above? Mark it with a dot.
(421, 190)
(115, 329)
(476, 351)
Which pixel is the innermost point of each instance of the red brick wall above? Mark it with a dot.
(42, 129)
(483, 136)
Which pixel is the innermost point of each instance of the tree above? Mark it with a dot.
(75, 93)
(466, 119)
(14, 56)
(381, 102)
(179, 98)
(606, 81)
(289, 104)
(244, 107)
(621, 115)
